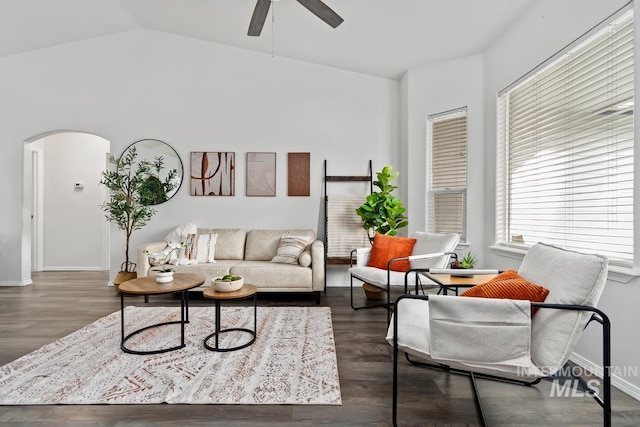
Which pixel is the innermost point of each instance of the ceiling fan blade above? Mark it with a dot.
(258, 18)
(322, 11)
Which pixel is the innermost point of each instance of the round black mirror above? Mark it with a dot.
(165, 175)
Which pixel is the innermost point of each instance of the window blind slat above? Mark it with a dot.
(566, 158)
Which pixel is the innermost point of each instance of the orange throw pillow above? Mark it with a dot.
(509, 285)
(389, 247)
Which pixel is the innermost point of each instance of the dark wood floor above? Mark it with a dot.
(59, 303)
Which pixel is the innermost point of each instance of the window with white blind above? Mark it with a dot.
(447, 172)
(565, 148)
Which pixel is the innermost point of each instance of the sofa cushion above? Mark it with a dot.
(572, 278)
(428, 243)
(230, 242)
(266, 274)
(209, 270)
(262, 245)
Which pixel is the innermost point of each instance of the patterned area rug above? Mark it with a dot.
(292, 361)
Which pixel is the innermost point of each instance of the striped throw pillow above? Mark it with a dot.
(290, 249)
(202, 247)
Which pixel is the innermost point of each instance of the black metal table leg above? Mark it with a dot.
(184, 318)
(220, 331)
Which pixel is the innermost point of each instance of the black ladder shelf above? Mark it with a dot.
(340, 178)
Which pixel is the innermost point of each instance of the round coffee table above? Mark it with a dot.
(146, 286)
(246, 291)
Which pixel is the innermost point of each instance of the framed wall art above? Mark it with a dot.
(213, 173)
(261, 174)
(299, 165)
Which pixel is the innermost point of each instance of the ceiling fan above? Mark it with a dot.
(317, 7)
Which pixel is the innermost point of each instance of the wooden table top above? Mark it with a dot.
(449, 280)
(149, 286)
(245, 291)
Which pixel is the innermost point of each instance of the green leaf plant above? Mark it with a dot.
(153, 190)
(383, 212)
(468, 261)
(125, 206)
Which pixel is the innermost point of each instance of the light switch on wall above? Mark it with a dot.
(79, 185)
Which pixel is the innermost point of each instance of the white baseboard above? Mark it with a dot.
(16, 282)
(616, 380)
(72, 268)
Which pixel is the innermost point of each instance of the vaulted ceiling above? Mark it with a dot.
(378, 37)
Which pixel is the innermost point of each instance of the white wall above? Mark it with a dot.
(73, 223)
(196, 96)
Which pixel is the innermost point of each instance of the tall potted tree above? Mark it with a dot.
(125, 206)
(383, 212)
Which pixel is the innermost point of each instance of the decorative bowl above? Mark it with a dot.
(228, 285)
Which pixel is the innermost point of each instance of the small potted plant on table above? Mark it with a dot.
(466, 262)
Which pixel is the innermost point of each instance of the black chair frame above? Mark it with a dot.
(442, 289)
(597, 315)
(388, 304)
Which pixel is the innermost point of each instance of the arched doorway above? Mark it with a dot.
(65, 228)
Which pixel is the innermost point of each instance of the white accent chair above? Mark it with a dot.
(432, 250)
(498, 338)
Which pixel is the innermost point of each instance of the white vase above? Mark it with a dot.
(164, 276)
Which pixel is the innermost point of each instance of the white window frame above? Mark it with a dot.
(504, 237)
(452, 190)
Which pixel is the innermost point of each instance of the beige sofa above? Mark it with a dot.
(248, 254)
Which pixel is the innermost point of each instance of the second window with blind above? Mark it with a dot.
(447, 172)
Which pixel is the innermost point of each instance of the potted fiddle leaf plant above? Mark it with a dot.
(125, 206)
(382, 211)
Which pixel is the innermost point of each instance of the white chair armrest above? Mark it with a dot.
(426, 256)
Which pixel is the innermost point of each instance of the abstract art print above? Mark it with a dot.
(261, 174)
(213, 173)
